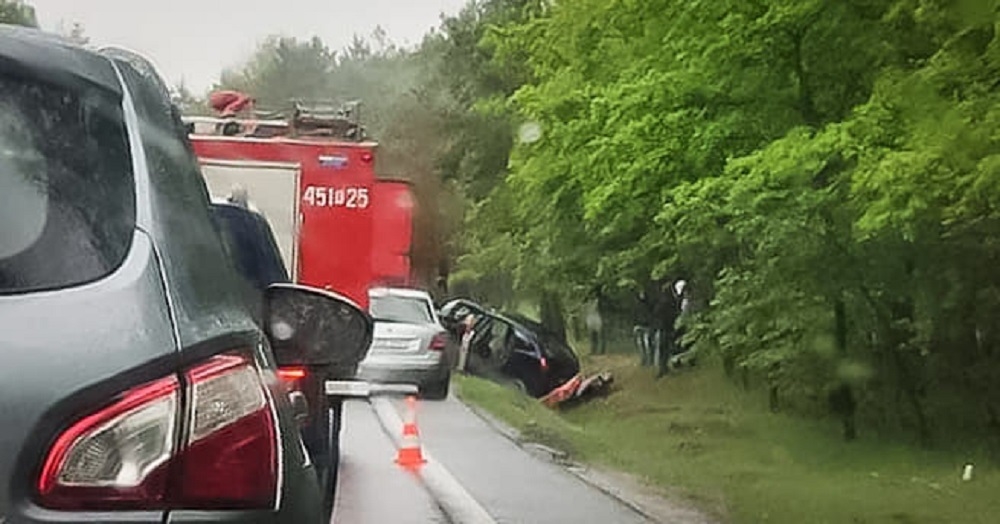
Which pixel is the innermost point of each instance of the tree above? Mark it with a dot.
(188, 102)
(283, 69)
(17, 12)
(816, 168)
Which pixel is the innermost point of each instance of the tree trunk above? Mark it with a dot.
(552, 314)
(908, 386)
(840, 329)
(729, 365)
(842, 402)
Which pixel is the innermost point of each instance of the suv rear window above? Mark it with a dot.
(67, 199)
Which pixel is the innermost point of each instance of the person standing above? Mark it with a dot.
(595, 328)
(467, 335)
(666, 309)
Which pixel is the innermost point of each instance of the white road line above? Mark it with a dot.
(456, 502)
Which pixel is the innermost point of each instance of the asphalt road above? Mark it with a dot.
(481, 468)
(512, 485)
(371, 488)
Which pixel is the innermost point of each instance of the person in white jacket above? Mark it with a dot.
(463, 349)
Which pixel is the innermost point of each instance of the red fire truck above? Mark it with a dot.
(312, 175)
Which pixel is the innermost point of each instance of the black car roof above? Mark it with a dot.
(518, 318)
(31, 52)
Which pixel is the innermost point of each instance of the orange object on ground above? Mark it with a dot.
(563, 392)
(410, 454)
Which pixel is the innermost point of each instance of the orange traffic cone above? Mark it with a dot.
(410, 454)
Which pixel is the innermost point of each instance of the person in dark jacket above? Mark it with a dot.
(666, 309)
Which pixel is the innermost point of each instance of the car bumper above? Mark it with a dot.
(402, 374)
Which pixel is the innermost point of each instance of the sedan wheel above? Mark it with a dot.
(437, 390)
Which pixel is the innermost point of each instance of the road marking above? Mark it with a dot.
(456, 502)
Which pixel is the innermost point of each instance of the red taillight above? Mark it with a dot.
(367, 157)
(439, 342)
(118, 456)
(231, 456)
(544, 362)
(292, 374)
(131, 454)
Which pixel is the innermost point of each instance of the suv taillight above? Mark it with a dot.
(214, 447)
(439, 342)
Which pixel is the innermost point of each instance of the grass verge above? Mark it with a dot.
(695, 434)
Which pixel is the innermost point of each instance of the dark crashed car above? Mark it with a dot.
(513, 349)
(137, 383)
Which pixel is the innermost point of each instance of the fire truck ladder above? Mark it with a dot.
(337, 121)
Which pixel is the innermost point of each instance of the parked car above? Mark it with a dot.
(250, 243)
(409, 344)
(138, 384)
(513, 349)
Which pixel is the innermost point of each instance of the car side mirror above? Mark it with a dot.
(312, 327)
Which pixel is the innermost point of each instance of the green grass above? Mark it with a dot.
(697, 435)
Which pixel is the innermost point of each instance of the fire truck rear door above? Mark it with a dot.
(272, 188)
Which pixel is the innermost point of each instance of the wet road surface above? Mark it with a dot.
(372, 489)
(514, 486)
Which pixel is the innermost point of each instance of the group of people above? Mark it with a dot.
(657, 334)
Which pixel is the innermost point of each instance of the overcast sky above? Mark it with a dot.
(193, 40)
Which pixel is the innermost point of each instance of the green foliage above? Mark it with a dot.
(188, 102)
(283, 69)
(17, 12)
(823, 172)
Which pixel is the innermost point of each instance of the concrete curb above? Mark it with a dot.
(455, 501)
(579, 471)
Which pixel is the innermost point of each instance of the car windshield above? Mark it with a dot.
(410, 310)
(67, 205)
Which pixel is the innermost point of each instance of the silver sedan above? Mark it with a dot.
(409, 344)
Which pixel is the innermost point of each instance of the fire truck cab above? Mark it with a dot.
(312, 175)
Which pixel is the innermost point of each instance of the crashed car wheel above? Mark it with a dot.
(517, 385)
